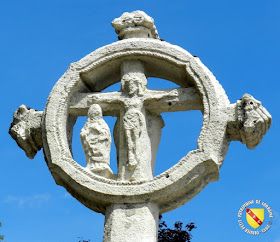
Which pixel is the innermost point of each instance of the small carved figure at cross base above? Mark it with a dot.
(96, 141)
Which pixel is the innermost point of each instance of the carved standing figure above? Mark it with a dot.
(96, 141)
(133, 120)
(133, 123)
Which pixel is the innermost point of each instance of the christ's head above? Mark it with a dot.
(134, 84)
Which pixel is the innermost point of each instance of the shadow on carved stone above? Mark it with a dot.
(77, 149)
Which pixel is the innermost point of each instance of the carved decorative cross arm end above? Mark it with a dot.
(26, 130)
(135, 24)
(250, 121)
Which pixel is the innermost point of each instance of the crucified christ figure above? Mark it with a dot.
(134, 119)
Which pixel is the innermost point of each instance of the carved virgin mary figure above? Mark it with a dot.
(96, 142)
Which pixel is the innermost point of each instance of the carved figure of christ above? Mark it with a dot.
(137, 131)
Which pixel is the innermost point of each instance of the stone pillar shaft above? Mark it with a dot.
(131, 223)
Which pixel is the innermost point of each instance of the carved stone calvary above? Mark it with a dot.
(132, 199)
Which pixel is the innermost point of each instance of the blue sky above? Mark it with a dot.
(237, 40)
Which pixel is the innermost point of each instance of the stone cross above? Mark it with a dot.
(132, 199)
(138, 128)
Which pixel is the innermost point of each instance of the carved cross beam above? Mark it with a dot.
(179, 99)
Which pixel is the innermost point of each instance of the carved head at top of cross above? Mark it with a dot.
(138, 55)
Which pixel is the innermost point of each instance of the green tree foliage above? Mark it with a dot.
(2, 237)
(178, 234)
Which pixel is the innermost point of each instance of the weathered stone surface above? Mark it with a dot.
(255, 121)
(131, 222)
(248, 121)
(192, 172)
(136, 24)
(134, 195)
(26, 130)
(96, 141)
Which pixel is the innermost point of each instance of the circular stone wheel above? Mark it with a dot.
(101, 69)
